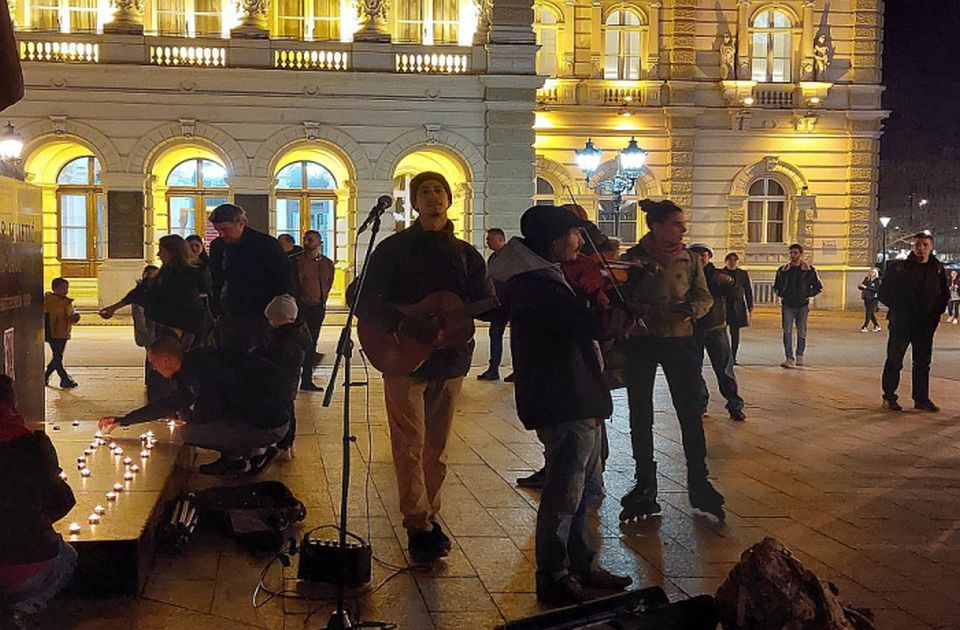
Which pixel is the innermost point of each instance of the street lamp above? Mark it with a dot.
(11, 144)
(884, 222)
(630, 163)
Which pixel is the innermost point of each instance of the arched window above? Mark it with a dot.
(195, 188)
(188, 18)
(772, 53)
(81, 214)
(546, 194)
(316, 20)
(766, 209)
(546, 26)
(621, 59)
(67, 16)
(428, 21)
(307, 200)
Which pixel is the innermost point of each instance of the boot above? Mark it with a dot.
(704, 497)
(641, 501)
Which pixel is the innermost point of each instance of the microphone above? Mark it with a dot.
(383, 202)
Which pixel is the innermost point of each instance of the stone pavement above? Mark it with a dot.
(867, 499)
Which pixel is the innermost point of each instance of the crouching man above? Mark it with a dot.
(560, 393)
(232, 402)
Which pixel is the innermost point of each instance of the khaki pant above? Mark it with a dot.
(420, 415)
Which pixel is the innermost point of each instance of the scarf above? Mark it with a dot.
(664, 256)
(12, 425)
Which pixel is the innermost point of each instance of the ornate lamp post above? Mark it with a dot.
(11, 145)
(630, 162)
(884, 222)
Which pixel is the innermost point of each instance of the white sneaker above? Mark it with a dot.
(864, 329)
(877, 329)
(789, 364)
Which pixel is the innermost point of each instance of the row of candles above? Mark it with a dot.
(147, 442)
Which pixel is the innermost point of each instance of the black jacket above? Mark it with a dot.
(915, 293)
(410, 265)
(719, 286)
(32, 498)
(869, 289)
(173, 298)
(286, 347)
(553, 339)
(796, 284)
(740, 299)
(247, 274)
(221, 385)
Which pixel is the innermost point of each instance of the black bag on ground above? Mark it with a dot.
(256, 515)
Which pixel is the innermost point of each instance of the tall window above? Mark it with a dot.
(772, 53)
(766, 208)
(621, 59)
(82, 219)
(195, 188)
(546, 195)
(67, 16)
(545, 25)
(188, 18)
(428, 21)
(403, 210)
(306, 200)
(317, 20)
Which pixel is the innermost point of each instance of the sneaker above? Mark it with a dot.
(864, 329)
(225, 467)
(489, 375)
(428, 546)
(799, 361)
(441, 540)
(604, 580)
(789, 364)
(704, 497)
(535, 481)
(925, 405)
(560, 592)
(891, 405)
(511, 378)
(737, 415)
(877, 329)
(259, 463)
(310, 386)
(67, 383)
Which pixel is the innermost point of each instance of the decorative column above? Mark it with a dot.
(127, 18)
(482, 33)
(253, 22)
(744, 71)
(806, 43)
(373, 17)
(680, 30)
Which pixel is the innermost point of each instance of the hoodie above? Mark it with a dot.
(59, 316)
(553, 339)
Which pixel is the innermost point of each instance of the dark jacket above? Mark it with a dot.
(500, 314)
(410, 265)
(553, 339)
(740, 298)
(221, 385)
(286, 347)
(719, 286)
(32, 498)
(247, 274)
(796, 284)
(869, 289)
(173, 298)
(915, 293)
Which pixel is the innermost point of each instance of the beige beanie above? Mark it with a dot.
(281, 310)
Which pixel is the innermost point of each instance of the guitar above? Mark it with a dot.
(440, 320)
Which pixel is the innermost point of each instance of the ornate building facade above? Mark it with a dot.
(762, 118)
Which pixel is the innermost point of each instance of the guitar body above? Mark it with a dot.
(402, 352)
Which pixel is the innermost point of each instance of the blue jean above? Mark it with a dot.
(572, 454)
(497, 329)
(717, 345)
(45, 584)
(789, 316)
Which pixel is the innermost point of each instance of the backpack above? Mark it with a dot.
(256, 515)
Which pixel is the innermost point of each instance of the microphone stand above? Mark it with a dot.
(340, 619)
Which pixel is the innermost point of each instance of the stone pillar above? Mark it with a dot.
(253, 22)
(682, 129)
(127, 19)
(373, 17)
(680, 27)
(806, 43)
(126, 236)
(868, 20)
(585, 30)
(482, 34)
(744, 67)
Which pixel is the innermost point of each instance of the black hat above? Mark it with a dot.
(700, 248)
(426, 176)
(541, 225)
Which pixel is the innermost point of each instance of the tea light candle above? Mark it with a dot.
(101, 441)
(63, 475)
(149, 434)
(98, 434)
(118, 487)
(81, 459)
(100, 510)
(74, 529)
(127, 461)
(111, 496)
(81, 465)
(88, 451)
(145, 454)
(128, 475)
(75, 423)
(135, 468)
(113, 445)
(94, 444)
(93, 519)
(171, 424)
(85, 472)
(118, 451)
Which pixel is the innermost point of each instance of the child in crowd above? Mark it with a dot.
(35, 562)
(59, 318)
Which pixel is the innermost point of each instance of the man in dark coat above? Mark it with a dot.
(739, 301)
(916, 292)
(496, 241)
(795, 283)
(249, 269)
(560, 393)
(233, 402)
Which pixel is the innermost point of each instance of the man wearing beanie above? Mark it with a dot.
(669, 291)
(560, 393)
(404, 269)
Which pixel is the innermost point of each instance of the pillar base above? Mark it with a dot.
(247, 31)
(123, 27)
(372, 33)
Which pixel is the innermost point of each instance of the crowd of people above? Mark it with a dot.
(231, 338)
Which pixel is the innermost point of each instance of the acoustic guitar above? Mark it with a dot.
(440, 320)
